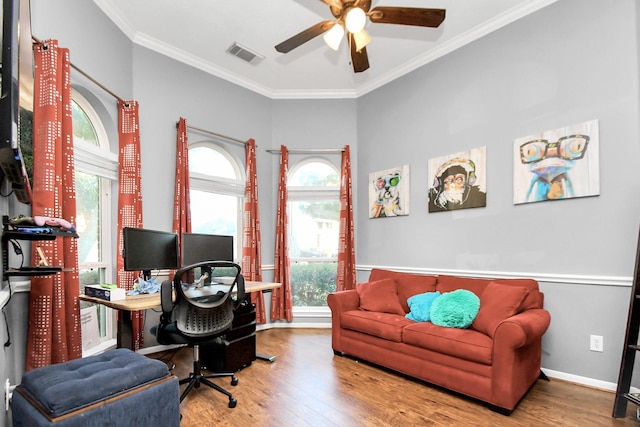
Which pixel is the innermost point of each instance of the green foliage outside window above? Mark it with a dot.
(82, 125)
(26, 140)
(312, 282)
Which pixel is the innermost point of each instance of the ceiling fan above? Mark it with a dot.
(352, 15)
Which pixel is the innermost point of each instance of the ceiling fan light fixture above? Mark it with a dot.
(355, 20)
(352, 16)
(333, 37)
(362, 39)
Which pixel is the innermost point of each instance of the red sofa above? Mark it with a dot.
(496, 360)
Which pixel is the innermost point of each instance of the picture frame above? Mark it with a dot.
(458, 181)
(389, 192)
(557, 164)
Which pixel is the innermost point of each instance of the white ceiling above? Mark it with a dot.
(199, 32)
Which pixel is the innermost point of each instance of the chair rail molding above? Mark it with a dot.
(569, 279)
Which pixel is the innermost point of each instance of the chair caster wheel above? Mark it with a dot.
(234, 381)
(232, 402)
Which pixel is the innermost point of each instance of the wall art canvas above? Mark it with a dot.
(389, 192)
(557, 164)
(459, 181)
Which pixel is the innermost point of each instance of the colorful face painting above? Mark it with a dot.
(459, 181)
(557, 164)
(389, 192)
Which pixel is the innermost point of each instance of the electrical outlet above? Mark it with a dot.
(8, 390)
(597, 343)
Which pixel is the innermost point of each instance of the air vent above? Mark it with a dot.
(245, 53)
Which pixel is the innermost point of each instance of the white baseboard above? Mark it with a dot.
(296, 325)
(585, 381)
(158, 348)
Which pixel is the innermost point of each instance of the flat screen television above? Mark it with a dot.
(145, 250)
(17, 75)
(206, 247)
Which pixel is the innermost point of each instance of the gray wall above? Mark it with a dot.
(168, 90)
(312, 124)
(548, 70)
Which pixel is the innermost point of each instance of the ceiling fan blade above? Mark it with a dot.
(304, 36)
(407, 16)
(359, 58)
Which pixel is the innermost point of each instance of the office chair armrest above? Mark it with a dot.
(166, 298)
(240, 294)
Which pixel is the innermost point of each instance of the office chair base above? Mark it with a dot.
(194, 381)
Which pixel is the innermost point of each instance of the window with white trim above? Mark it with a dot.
(96, 175)
(216, 190)
(314, 224)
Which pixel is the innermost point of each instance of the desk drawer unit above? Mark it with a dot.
(229, 356)
(238, 348)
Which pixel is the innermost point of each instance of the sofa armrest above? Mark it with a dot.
(342, 301)
(517, 355)
(339, 302)
(522, 329)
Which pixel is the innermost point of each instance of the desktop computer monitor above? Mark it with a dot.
(198, 247)
(145, 250)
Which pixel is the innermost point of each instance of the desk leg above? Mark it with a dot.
(261, 356)
(266, 357)
(125, 330)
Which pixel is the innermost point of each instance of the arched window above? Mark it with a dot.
(217, 191)
(96, 175)
(314, 219)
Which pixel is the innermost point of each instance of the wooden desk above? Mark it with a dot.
(144, 302)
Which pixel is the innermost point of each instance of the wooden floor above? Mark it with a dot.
(308, 386)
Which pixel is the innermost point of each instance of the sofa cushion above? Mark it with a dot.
(380, 296)
(452, 283)
(409, 284)
(497, 303)
(466, 344)
(456, 309)
(420, 306)
(476, 285)
(381, 325)
(533, 298)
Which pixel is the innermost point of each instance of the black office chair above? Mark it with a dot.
(201, 313)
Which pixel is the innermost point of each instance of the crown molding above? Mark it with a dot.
(499, 21)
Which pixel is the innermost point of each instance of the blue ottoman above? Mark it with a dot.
(116, 388)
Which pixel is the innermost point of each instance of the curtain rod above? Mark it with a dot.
(218, 135)
(310, 151)
(35, 39)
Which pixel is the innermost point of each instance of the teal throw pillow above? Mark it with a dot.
(420, 306)
(456, 309)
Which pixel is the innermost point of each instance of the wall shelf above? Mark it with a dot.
(31, 233)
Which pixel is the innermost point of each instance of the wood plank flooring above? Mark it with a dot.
(308, 386)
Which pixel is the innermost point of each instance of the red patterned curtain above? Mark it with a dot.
(54, 305)
(251, 241)
(346, 250)
(182, 204)
(281, 300)
(129, 200)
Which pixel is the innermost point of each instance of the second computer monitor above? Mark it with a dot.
(206, 247)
